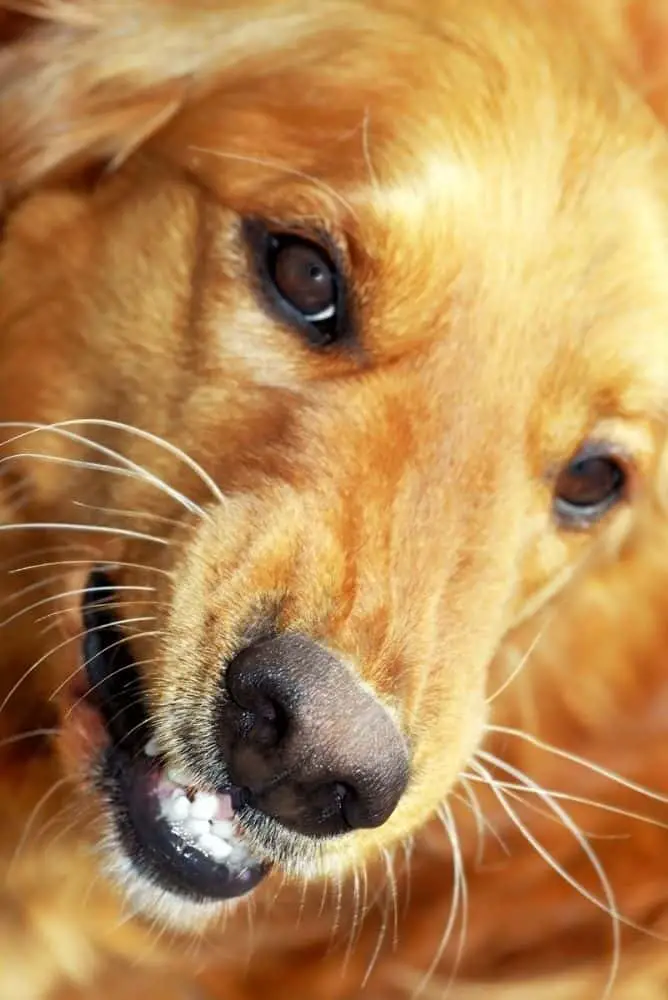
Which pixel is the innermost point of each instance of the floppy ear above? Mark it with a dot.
(87, 81)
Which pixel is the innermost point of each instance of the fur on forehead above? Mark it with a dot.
(83, 81)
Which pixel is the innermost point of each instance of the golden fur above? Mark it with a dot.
(495, 175)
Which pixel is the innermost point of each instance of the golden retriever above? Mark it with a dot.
(333, 382)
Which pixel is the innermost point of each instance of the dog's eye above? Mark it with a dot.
(308, 285)
(588, 487)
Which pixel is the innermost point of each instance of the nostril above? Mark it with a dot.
(262, 718)
(270, 721)
(354, 812)
(347, 799)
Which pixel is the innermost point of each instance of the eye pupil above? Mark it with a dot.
(588, 487)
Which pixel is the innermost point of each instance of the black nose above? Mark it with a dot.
(311, 744)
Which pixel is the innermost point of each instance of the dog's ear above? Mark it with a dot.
(77, 85)
(87, 81)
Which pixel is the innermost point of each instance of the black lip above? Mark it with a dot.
(115, 684)
(126, 775)
(167, 861)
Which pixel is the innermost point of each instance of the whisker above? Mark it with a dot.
(487, 824)
(91, 529)
(609, 906)
(578, 800)
(111, 606)
(80, 463)
(160, 442)
(408, 845)
(460, 874)
(114, 673)
(150, 718)
(524, 659)
(113, 645)
(37, 585)
(46, 550)
(391, 886)
(467, 800)
(532, 807)
(116, 564)
(336, 921)
(283, 168)
(366, 149)
(34, 666)
(30, 822)
(70, 809)
(28, 735)
(454, 906)
(375, 954)
(582, 761)
(120, 512)
(353, 934)
(323, 898)
(145, 475)
(78, 591)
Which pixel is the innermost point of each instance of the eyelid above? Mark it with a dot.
(588, 449)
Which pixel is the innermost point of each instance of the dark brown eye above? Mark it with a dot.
(308, 283)
(587, 488)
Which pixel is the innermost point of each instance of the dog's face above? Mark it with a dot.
(397, 312)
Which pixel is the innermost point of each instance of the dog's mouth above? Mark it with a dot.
(183, 838)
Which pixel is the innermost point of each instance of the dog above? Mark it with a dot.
(333, 387)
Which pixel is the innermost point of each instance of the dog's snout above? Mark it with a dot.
(313, 746)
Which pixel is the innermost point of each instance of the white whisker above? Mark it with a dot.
(78, 591)
(43, 582)
(116, 564)
(44, 550)
(111, 606)
(160, 442)
(90, 529)
(582, 761)
(366, 149)
(283, 168)
(578, 800)
(391, 887)
(129, 467)
(113, 645)
(524, 659)
(119, 512)
(30, 734)
(458, 897)
(30, 822)
(609, 906)
(114, 673)
(35, 666)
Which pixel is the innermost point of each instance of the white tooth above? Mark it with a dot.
(223, 829)
(179, 777)
(179, 807)
(197, 827)
(216, 848)
(204, 806)
(151, 749)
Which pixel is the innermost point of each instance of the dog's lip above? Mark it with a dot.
(135, 782)
(136, 791)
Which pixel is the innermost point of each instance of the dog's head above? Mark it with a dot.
(360, 343)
